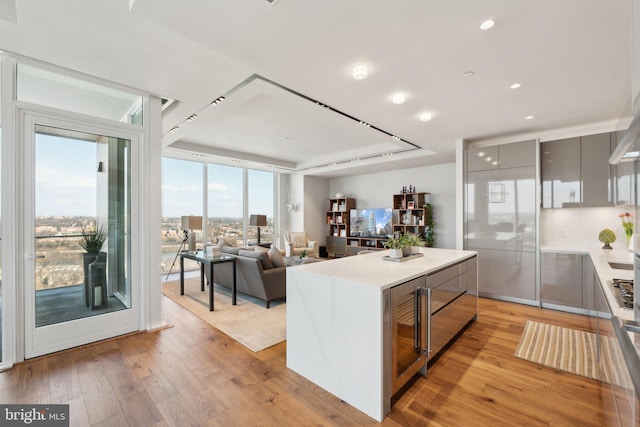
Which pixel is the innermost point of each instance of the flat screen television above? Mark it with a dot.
(371, 223)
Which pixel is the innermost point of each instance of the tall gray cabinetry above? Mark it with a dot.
(500, 212)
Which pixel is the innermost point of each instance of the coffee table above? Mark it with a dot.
(295, 260)
(210, 260)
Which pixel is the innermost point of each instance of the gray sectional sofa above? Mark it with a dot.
(255, 275)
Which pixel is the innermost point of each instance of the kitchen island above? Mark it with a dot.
(339, 314)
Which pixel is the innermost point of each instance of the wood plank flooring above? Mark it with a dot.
(194, 375)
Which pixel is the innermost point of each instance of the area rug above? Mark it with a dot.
(248, 322)
(573, 351)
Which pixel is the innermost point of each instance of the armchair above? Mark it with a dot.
(296, 241)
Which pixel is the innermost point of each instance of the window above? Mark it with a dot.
(182, 190)
(225, 214)
(39, 86)
(260, 192)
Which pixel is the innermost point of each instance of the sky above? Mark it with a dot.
(182, 189)
(65, 176)
(66, 183)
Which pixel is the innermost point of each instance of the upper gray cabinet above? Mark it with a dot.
(623, 176)
(482, 158)
(595, 170)
(501, 156)
(575, 172)
(560, 173)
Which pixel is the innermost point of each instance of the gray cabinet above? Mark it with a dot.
(501, 156)
(560, 173)
(561, 279)
(482, 158)
(623, 176)
(507, 274)
(337, 246)
(575, 172)
(453, 303)
(566, 279)
(517, 154)
(595, 170)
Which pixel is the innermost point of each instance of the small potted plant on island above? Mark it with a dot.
(92, 240)
(398, 245)
(303, 255)
(414, 241)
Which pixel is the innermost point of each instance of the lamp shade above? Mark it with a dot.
(258, 220)
(192, 222)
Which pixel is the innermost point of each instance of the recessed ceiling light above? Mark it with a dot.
(487, 24)
(360, 72)
(481, 154)
(398, 98)
(468, 74)
(515, 86)
(425, 117)
(528, 117)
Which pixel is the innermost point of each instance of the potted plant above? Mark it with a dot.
(303, 255)
(397, 245)
(92, 240)
(429, 237)
(414, 241)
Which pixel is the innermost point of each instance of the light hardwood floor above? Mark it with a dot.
(193, 375)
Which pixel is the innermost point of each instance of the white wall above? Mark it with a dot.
(316, 195)
(581, 226)
(376, 191)
(309, 194)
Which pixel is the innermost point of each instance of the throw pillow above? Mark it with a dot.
(227, 241)
(276, 257)
(263, 257)
(260, 248)
(299, 240)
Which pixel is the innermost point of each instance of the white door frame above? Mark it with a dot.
(60, 336)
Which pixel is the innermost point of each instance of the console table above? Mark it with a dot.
(203, 258)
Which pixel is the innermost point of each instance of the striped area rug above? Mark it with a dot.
(573, 351)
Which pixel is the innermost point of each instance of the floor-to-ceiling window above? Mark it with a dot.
(260, 199)
(225, 195)
(182, 189)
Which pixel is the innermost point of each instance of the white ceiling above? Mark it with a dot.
(573, 59)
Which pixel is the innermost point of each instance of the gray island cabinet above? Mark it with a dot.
(361, 327)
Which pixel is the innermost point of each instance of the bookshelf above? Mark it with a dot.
(338, 221)
(412, 213)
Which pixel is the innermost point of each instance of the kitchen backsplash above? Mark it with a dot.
(580, 225)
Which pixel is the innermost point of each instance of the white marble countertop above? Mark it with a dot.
(600, 258)
(371, 269)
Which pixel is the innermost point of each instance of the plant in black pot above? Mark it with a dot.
(92, 240)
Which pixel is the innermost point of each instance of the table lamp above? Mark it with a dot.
(191, 223)
(258, 221)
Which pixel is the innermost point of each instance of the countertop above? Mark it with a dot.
(370, 269)
(600, 258)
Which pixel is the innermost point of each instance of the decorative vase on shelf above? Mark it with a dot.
(630, 243)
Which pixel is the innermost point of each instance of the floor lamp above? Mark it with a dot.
(258, 221)
(191, 223)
